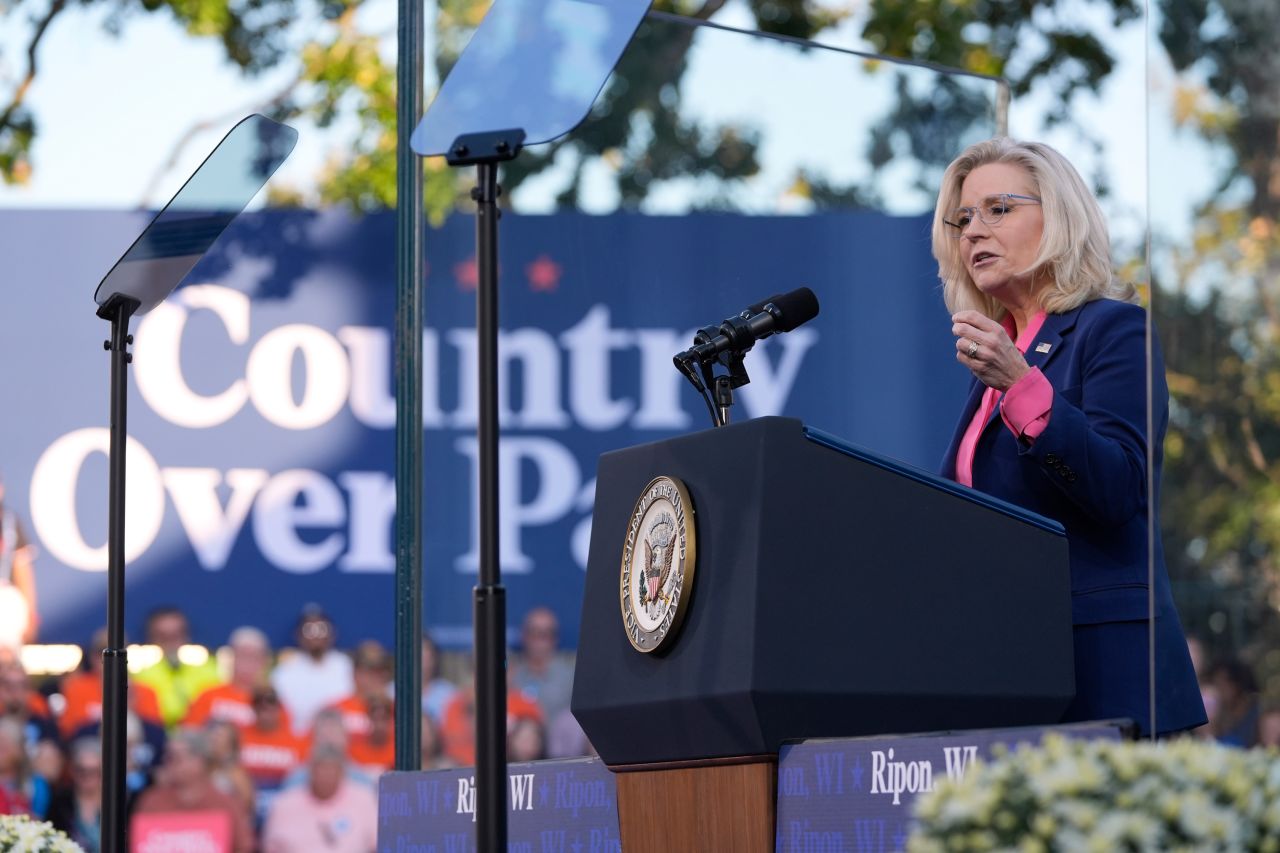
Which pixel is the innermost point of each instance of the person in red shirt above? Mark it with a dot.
(375, 750)
(371, 673)
(269, 749)
(186, 786)
(233, 701)
(82, 691)
(458, 729)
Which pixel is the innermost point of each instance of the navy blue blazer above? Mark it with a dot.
(1088, 470)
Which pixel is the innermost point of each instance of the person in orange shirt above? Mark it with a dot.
(371, 672)
(375, 750)
(269, 749)
(82, 691)
(233, 701)
(458, 729)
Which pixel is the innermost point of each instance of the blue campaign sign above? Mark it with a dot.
(262, 417)
(855, 794)
(568, 806)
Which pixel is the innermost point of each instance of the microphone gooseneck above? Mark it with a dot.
(727, 343)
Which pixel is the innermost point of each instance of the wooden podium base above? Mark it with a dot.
(725, 804)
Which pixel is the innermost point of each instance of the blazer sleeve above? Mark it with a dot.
(1094, 448)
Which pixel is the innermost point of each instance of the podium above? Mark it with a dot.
(837, 593)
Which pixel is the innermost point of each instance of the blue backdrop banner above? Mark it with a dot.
(262, 416)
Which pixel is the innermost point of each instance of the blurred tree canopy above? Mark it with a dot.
(344, 77)
(1219, 310)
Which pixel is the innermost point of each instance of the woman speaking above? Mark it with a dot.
(1056, 417)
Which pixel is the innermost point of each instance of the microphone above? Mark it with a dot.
(779, 313)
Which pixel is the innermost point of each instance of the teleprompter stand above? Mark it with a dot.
(118, 309)
(505, 93)
(485, 151)
(145, 275)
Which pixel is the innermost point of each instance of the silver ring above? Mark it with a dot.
(973, 348)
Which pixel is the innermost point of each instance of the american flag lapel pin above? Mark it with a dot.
(1043, 347)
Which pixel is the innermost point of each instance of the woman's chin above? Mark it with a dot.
(995, 287)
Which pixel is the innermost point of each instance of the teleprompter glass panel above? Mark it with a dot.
(535, 65)
(212, 197)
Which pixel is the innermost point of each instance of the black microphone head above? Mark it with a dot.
(795, 308)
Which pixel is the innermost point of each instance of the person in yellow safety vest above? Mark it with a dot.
(175, 683)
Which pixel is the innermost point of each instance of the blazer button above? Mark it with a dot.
(1051, 458)
(1071, 476)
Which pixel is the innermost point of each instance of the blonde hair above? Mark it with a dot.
(1075, 250)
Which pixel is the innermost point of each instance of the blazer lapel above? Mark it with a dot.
(1047, 344)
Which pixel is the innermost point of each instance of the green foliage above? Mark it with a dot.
(984, 36)
(1231, 45)
(1033, 44)
(1218, 308)
(636, 125)
(252, 32)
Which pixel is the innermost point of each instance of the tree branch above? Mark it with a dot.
(20, 93)
(1254, 449)
(205, 125)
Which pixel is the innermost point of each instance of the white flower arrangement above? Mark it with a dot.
(21, 834)
(1098, 795)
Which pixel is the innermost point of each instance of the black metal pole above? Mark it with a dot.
(409, 274)
(114, 671)
(490, 598)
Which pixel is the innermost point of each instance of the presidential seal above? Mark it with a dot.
(658, 561)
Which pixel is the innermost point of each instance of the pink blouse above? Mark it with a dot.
(1025, 408)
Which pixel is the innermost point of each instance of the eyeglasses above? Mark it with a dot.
(991, 211)
(315, 630)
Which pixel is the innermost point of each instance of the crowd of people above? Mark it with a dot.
(283, 750)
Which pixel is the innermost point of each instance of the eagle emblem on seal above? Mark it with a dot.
(658, 563)
(657, 555)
